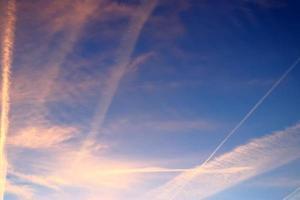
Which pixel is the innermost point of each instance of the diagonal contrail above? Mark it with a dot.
(123, 59)
(252, 110)
(241, 122)
(258, 156)
(291, 195)
(7, 50)
(119, 69)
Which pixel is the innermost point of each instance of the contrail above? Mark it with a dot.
(7, 50)
(119, 69)
(291, 195)
(123, 59)
(253, 109)
(243, 120)
(169, 170)
(254, 158)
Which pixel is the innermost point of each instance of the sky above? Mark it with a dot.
(150, 100)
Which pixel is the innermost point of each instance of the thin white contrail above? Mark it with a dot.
(292, 194)
(7, 50)
(252, 110)
(243, 120)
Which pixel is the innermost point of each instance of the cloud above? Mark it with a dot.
(56, 27)
(61, 172)
(100, 175)
(293, 195)
(94, 174)
(20, 191)
(68, 17)
(259, 155)
(22, 91)
(139, 60)
(62, 24)
(122, 61)
(6, 61)
(41, 137)
(276, 182)
(55, 168)
(66, 14)
(135, 125)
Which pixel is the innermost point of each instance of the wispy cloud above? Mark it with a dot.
(20, 191)
(139, 60)
(61, 142)
(62, 24)
(242, 121)
(41, 134)
(122, 62)
(93, 173)
(65, 17)
(156, 125)
(276, 182)
(260, 155)
(293, 195)
(41, 137)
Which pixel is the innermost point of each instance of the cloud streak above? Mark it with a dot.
(94, 173)
(245, 118)
(41, 137)
(7, 51)
(122, 63)
(258, 156)
(148, 124)
(294, 195)
(62, 24)
(74, 16)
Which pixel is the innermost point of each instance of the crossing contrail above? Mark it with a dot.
(7, 50)
(291, 195)
(258, 156)
(241, 122)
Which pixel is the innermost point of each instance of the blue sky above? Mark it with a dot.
(125, 99)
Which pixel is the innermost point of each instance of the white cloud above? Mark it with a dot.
(259, 155)
(20, 191)
(38, 137)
